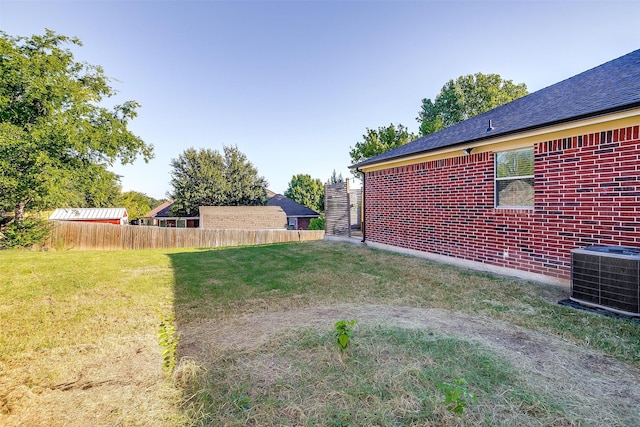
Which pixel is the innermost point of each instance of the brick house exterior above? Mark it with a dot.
(298, 216)
(161, 216)
(221, 217)
(439, 194)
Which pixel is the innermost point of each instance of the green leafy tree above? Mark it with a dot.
(379, 141)
(306, 191)
(244, 186)
(99, 188)
(335, 178)
(154, 203)
(25, 233)
(316, 223)
(466, 97)
(53, 130)
(95, 187)
(137, 204)
(197, 179)
(207, 178)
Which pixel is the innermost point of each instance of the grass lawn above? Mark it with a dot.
(80, 344)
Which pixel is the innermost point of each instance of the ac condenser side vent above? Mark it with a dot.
(607, 277)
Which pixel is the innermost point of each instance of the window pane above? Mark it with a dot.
(514, 192)
(514, 163)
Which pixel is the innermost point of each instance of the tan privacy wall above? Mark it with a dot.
(243, 217)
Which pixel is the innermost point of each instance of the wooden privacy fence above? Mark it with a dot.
(84, 236)
(342, 209)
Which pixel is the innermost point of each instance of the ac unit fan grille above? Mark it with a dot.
(610, 282)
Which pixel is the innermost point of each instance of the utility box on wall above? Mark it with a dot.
(607, 277)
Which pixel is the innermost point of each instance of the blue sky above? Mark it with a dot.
(295, 84)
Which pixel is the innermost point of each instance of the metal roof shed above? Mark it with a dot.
(116, 216)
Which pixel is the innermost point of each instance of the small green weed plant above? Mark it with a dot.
(344, 333)
(240, 398)
(457, 396)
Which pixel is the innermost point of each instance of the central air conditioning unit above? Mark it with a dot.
(607, 277)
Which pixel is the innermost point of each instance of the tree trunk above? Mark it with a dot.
(19, 212)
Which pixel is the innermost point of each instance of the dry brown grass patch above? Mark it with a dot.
(591, 389)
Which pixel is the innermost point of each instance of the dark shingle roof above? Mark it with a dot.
(291, 207)
(165, 212)
(160, 211)
(610, 87)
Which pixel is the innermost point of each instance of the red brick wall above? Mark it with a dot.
(587, 191)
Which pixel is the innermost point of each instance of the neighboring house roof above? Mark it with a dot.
(291, 207)
(164, 211)
(75, 214)
(610, 87)
(160, 211)
(245, 217)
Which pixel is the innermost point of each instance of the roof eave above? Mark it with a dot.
(503, 134)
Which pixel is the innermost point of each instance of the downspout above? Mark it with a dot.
(362, 220)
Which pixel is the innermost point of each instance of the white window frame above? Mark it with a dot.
(496, 199)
